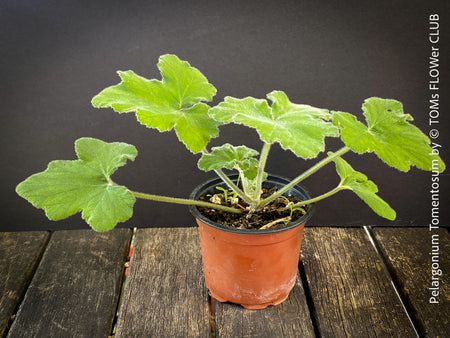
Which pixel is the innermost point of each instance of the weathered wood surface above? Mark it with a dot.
(345, 289)
(351, 293)
(408, 253)
(288, 319)
(75, 290)
(165, 293)
(20, 253)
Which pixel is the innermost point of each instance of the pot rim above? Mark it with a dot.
(203, 186)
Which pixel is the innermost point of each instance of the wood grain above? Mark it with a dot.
(165, 293)
(351, 293)
(75, 290)
(408, 254)
(20, 253)
(288, 319)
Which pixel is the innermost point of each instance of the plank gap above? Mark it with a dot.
(165, 286)
(407, 250)
(388, 268)
(75, 288)
(124, 279)
(352, 296)
(212, 310)
(309, 299)
(291, 318)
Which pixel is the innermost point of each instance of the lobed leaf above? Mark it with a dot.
(364, 188)
(68, 187)
(230, 157)
(174, 102)
(107, 157)
(300, 128)
(389, 134)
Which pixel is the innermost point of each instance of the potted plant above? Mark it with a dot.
(251, 222)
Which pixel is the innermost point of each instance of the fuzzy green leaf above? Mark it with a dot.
(175, 102)
(300, 128)
(230, 157)
(389, 134)
(68, 187)
(363, 187)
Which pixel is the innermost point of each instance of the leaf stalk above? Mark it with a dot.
(233, 186)
(259, 177)
(184, 201)
(318, 198)
(304, 175)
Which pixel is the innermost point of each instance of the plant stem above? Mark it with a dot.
(184, 201)
(230, 183)
(318, 198)
(304, 175)
(260, 174)
(233, 186)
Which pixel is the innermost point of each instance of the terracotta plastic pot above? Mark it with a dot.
(254, 268)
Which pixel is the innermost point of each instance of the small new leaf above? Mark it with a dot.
(389, 134)
(175, 102)
(300, 128)
(68, 187)
(363, 187)
(230, 157)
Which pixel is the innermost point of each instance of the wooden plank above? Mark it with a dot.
(288, 319)
(165, 293)
(75, 290)
(351, 293)
(20, 253)
(408, 254)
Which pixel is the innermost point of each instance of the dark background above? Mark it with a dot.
(56, 55)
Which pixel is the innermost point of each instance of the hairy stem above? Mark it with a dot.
(304, 175)
(316, 199)
(230, 183)
(166, 199)
(260, 174)
(233, 186)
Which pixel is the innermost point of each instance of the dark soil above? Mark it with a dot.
(272, 215)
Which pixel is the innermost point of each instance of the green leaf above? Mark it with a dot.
(389, 134)
(300, 128)
(68, 187)
(363, 187)
(174, 102)
(230, 157)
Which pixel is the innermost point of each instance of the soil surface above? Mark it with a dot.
(273, 215)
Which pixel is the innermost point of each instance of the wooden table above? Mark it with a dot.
(353, 282)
